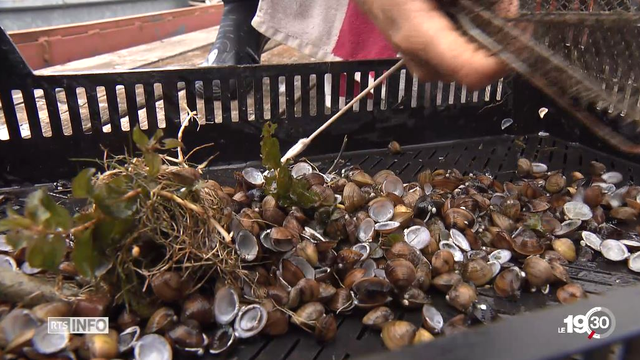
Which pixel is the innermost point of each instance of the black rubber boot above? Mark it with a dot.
(237, 42)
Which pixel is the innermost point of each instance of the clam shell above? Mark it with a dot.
(128, 338)
(459, 239)
(432, 319)
(381, 210)
(221, 340)
(567, 227)
(612, 177)
(46, 343)
(575, 210)
(501, 256)
(226, 305)
(495, 267)
(366, 230)
(364, 249)
(250, 321)
(631, 244)
(606, 188)
(301, 169)
(394, 185)
(4, 246)
(386, 227)
(7, 262)
(614, 250)
(370, 266)
(634, 262)
(152, 347)
(592, 240)
(246, 245)
(451, 246)
(16, 322)
(538, 168)
(417, 236)
(253, 176)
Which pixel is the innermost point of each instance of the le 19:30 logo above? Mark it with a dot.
(597, 323)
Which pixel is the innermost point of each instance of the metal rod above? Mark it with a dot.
(304, 142)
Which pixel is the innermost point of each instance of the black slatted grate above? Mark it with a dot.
(492, 155)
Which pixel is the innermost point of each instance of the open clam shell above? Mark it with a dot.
(221, 340)
(253, 176)
(393, 185)
(387, 227)
(612, 177)
(381, 210)
(501, 256)
(614, 250)
(632, 245)
(128, 338)
(460, 240)
(4, 246)
(46, 343)
(364, 249)
(152, 347)
(417, 236)
(226, 305)
(7, 262)
(575, 210)
(567, 227)
(366, 230)
(634, 262)
(246, 245)
(432, 319)
(451, 246)
(301, 169)
(591, 240)
(250, 321)
(15, 323)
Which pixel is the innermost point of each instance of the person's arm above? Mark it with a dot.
(431, 44)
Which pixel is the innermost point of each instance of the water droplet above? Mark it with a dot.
(506, 123)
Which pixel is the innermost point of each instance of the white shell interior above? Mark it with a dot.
(381, 210)
(417, 236)
(152, 347)
(614, 250)
(577, 211)
(226, 305)
(459, 239)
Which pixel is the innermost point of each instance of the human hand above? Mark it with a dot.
(430, 43)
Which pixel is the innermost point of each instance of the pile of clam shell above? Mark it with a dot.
(370, 245)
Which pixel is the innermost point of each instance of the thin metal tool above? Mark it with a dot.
(304, 142)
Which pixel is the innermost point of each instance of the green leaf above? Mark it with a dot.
(44, 211)
(17, 239)
(81, 184)
(14, 221)
(168, 144)
(140, 138)
(156, 137)
(84, 255)
(302, 196)
(109, 232)
(46, 252)
(154, 163)
(60, 217)
(107, 198)
(269, 147)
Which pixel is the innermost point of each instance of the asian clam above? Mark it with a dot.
(371, 245)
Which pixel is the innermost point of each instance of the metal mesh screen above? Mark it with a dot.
(585, 54)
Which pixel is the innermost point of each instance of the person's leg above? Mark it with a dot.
(237, 42)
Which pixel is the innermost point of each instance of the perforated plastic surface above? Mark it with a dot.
(493, 155)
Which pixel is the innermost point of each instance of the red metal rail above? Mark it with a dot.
(58, 45)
